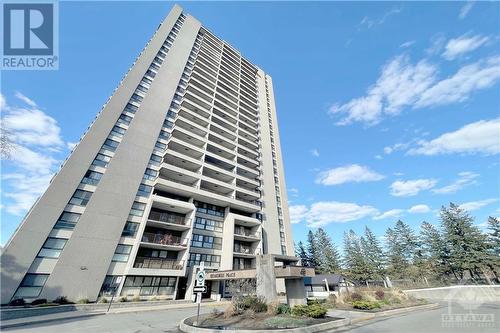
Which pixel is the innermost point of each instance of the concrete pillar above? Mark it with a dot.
(295, 292)
(266, 278)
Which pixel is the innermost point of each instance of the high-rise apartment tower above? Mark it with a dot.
(182, 165)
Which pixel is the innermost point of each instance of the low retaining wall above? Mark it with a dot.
(307, 329)
(18, 312)
(472, 293)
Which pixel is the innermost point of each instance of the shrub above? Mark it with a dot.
(283, 309)
(230, 311)
(355, 297)
(123, 299)
(365, 305)
(331, 301)
(136, 299)
(83, 301)
(316, 311)
(312, 310)
(311, 301)
(39, 301)
(103, 300)
(154, 299)
(251, 302)
(18, 302)
(299, 310)
(62, 300)
(379, 294)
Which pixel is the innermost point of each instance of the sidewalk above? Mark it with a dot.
(83, 314)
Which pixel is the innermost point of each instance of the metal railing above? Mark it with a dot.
(163, 239)
(243, 250)
(168, 218)
(247, 233)
(158, 263)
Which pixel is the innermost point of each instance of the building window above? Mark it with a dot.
(137, 208)
(110, 285)
(91, 177)
(110, 144)
(205, 208)
(67, 220)
(207, 242)
(80, 198)
(136, 98)
(155, 160)
(130, 229)
(206, 224)
(148, 286)
(160, 146)
(52, 248)
(31, 286)
(150, 174)
(209, 259)
(118, 131)
(131, 108)
(144, 190)
(101, 160)
(122, 253)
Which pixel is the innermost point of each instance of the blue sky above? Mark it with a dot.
(386, 110)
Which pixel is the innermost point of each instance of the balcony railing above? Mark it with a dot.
(247, 233)
(168, 218)
(243, 250)
(158, 263)
(162, 239)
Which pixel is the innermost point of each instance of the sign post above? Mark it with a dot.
(199, 288)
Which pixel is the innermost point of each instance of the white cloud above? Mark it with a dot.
(378, 157)
(32, 163)
(403, 84)
(349, 173)
(315, 152)
(393, 213)
(475, 205)
(407, 44)
(370, 23)
(466, 178)
(410, 188)
(297, 213)
(71, 145)
(479, 137)
(459, 87)
(464, 11)
(419, 209)
(293, 192)
(463, 44)
(323, 213)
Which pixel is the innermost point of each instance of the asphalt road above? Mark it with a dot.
(481, 318)
(428, 321)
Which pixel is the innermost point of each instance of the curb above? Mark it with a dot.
(309, 329)
(314, 328)
(48, 320)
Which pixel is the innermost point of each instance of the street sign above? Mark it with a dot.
(200, 289)
(200, 278)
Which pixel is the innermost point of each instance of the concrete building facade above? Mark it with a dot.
(182, 165)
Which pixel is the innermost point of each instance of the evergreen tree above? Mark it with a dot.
(329, 261)
(354, 259)
(374, 254)
(300, 252)
(494, 234)
(435, 251)
(312, 250)
(493, 238)
(467, 245)
(397, 263)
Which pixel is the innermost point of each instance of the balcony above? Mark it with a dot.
(247, 198)
(220, 140)
(245, 234)
(222, 152)
(247, 185)
(164, 240)
(215, 128)
(194, 117)
(158, 263)
(179, 175)
(192, 127)
(241, 250)
(196, 108)
(217, 187)
(186, 136)
(168, 220)
(185, 149)
(247, 173)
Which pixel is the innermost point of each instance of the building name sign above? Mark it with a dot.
(230, 275)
